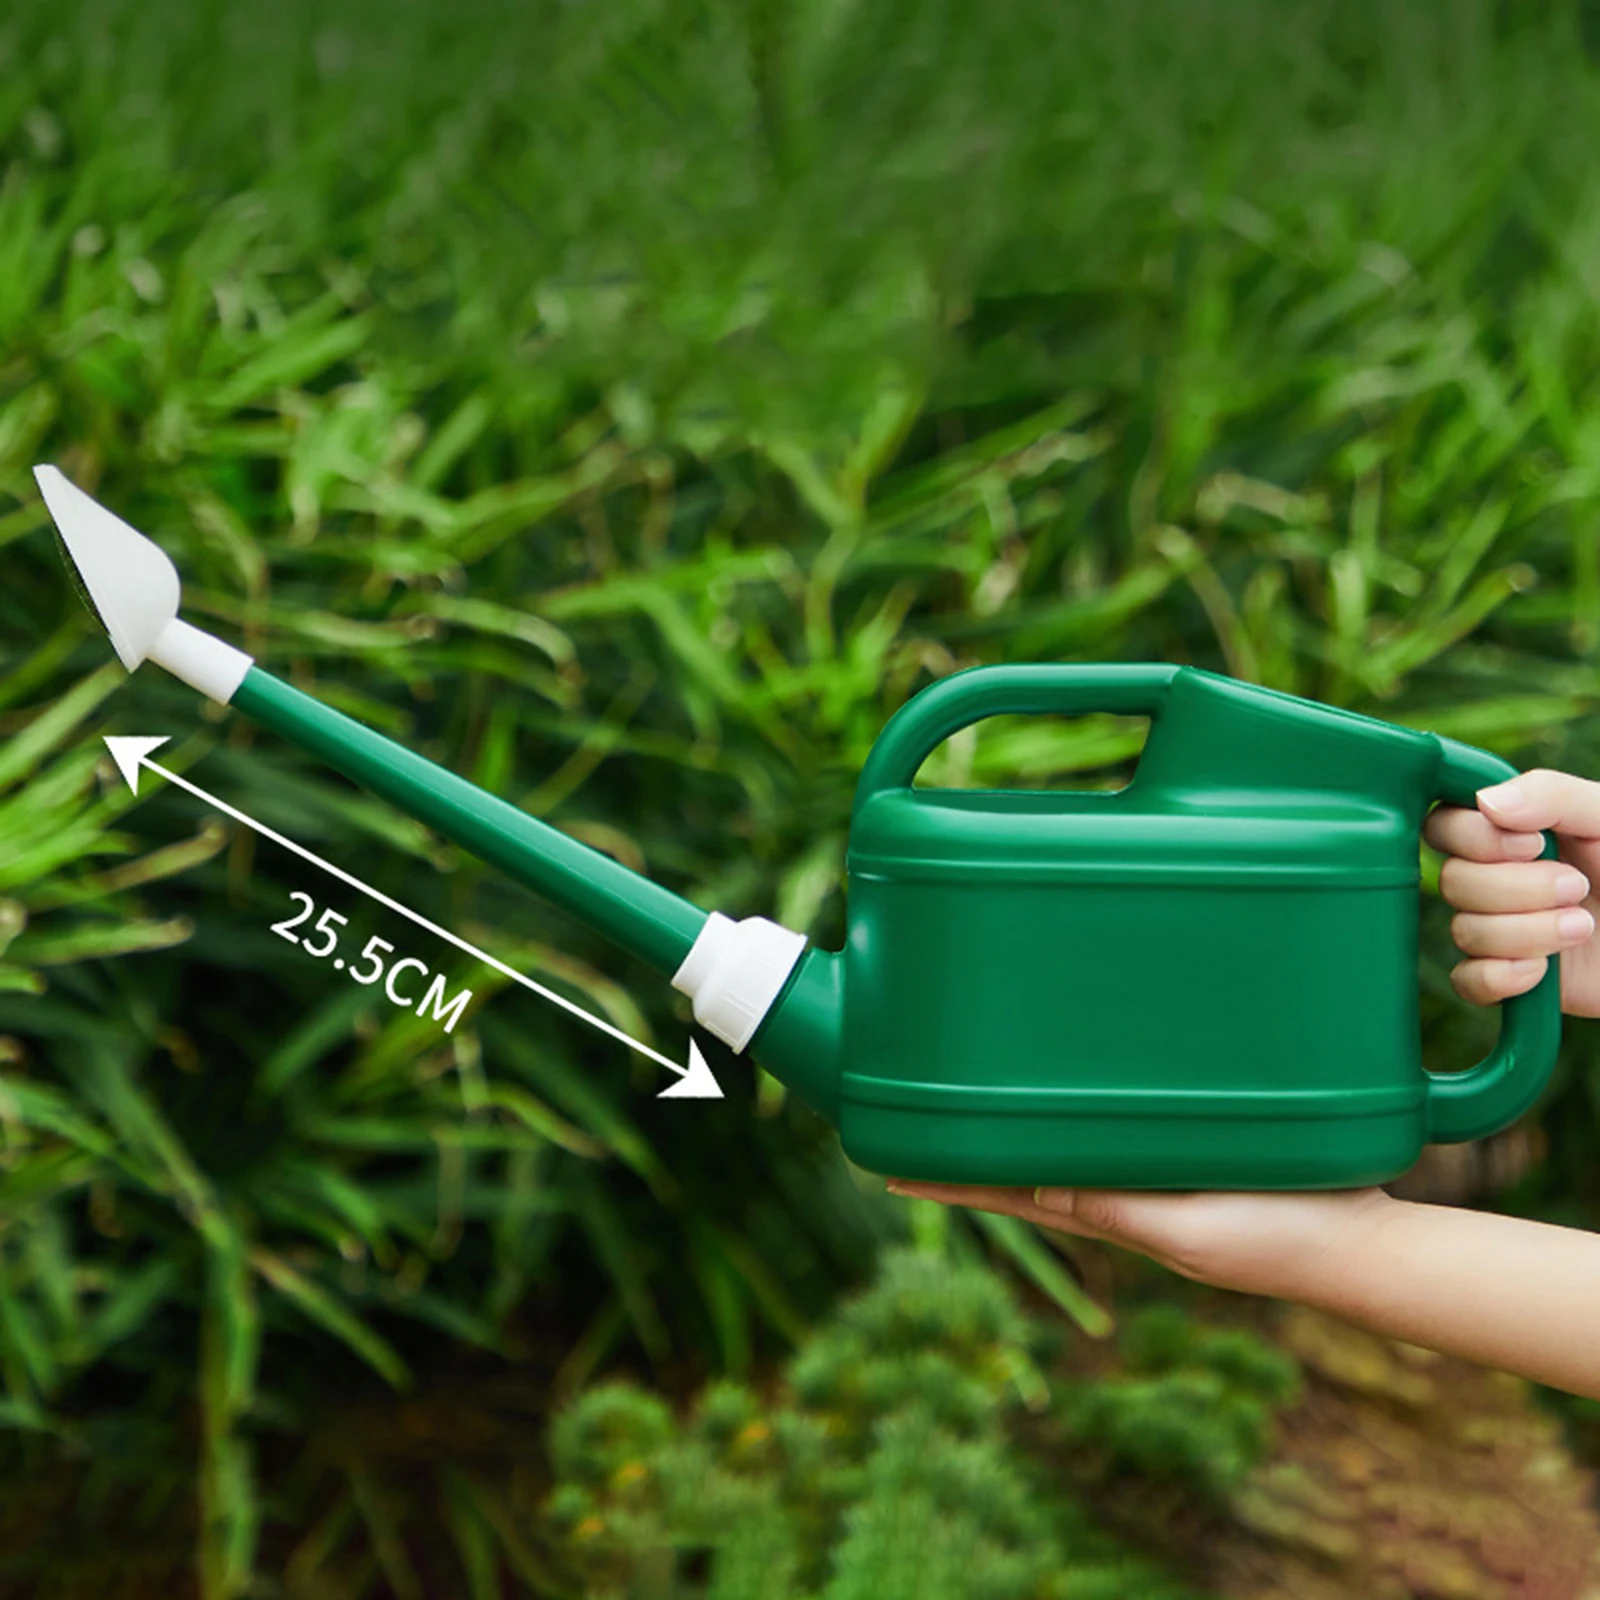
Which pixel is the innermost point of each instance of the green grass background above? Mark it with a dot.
(630, 405)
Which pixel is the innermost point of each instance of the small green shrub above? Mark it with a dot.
(1194, 1404)
(885, 1468)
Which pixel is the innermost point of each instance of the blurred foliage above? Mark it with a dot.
(1193, 1406)
(885, 1468)
(630, 406)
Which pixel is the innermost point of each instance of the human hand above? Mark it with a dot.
(1290, 1246)
(1514, 910)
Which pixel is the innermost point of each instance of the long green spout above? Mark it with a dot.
(799, 1038)
(798, 1041)
(640, 916)
(749, 981)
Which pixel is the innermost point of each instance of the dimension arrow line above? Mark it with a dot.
(695, 1080)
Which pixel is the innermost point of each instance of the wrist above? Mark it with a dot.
(1327, 1265)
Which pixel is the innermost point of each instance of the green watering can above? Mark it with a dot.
(1206, 980)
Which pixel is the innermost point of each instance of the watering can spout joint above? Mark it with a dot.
(756, 984)
(801, 1040)
(734, 973)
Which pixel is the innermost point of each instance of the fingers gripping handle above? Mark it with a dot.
(920, 726)
(1493, 1094)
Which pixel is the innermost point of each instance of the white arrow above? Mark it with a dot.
(695, 1082)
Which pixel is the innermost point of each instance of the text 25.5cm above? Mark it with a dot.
(369, 966)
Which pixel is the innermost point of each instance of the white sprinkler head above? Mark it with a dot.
(133, 586)
(130, 579)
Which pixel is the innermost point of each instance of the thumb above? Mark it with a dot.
(1543, 799)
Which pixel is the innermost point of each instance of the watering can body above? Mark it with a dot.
(1208, 979)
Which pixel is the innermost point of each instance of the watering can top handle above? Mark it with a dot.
(918, 728)
(1493, 1094)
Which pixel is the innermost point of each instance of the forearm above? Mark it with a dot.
(1520, 1296)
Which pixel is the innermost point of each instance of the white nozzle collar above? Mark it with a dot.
(735, 972)
(201, 659)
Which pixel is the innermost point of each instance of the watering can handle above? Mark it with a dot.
(1493, 1094)
(918, 728)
